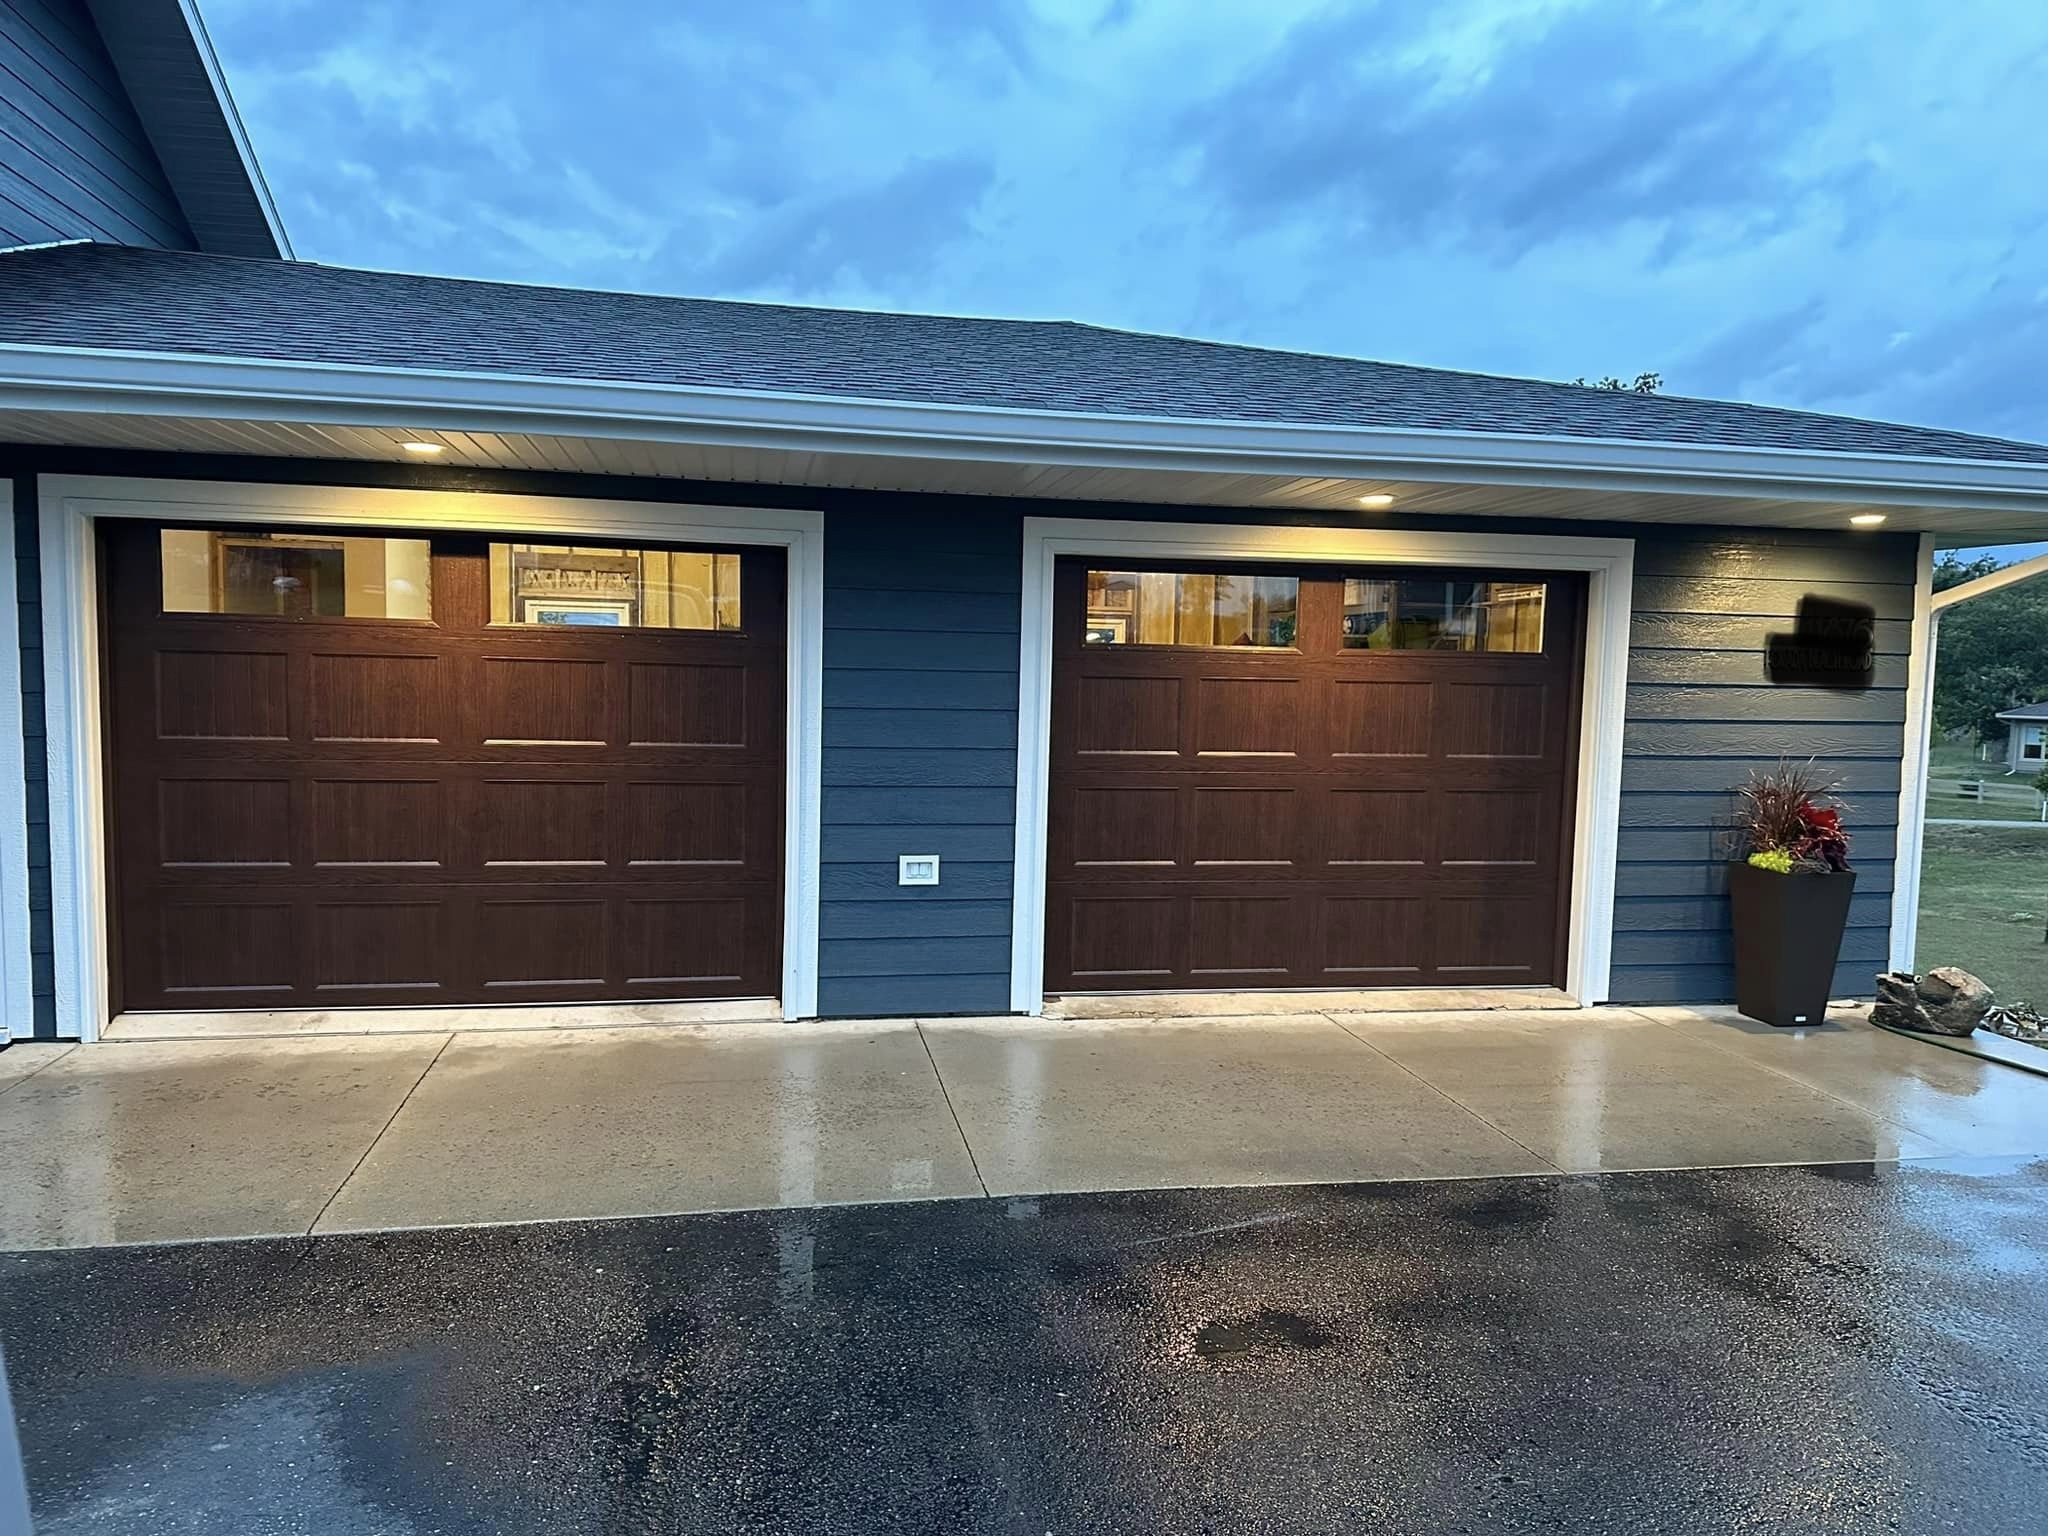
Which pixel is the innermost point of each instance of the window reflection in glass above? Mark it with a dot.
(1188, 608)
(1414, 613)
(583, 587)
(295, 576)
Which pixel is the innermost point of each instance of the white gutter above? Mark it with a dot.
(242, 389)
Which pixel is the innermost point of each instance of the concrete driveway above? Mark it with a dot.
(177, 1140)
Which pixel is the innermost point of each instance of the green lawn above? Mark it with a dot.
(1984, 904)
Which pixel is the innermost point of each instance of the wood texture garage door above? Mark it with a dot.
(316, 810)
(1379, 795)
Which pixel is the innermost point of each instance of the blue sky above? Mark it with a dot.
(1794, 204)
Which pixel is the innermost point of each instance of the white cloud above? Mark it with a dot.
(1761, 201)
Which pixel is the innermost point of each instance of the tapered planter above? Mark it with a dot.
(1788, 936)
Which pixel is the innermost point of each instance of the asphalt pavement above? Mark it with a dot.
(1814, 1350)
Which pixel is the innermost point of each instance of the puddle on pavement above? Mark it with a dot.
(1267, 1330)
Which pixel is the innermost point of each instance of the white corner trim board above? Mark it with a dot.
(1918, 735)
(71, 503)
(17, 985)
(1610, 568)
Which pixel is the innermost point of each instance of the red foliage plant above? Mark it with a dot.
(1793, 809)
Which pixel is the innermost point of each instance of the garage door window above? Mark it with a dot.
(1417, 613)
(1190, 608)
(556, 585)
(254, 574)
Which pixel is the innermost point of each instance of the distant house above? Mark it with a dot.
(2025, 737)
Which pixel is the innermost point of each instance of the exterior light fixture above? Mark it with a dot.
(1866, 519)
(425, 450)
(1376, 500)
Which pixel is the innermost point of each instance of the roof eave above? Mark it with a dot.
(240, 388)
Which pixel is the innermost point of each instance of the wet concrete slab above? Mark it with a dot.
(162, 1142)
(546, 1126)
(169, 1140)
(1815, 1350)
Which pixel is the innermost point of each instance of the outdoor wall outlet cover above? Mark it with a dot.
(917, 869)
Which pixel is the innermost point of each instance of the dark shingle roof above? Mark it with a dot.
(2026, 712)
(163, 301)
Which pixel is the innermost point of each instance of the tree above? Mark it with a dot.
(1643, 384)
(1994, 649)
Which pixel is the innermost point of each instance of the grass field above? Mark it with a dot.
(1984, 904)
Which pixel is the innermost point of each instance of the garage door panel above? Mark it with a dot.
(347, 810)
(1501, 827)
(1375, 827)
(228, 949)
(1250, 827)
(222, 695)
(553, 822)
(1492, 937)
(1108, 825)
(674, 824)
(527, 701)
(221, 823)
(366, 698)
(1116, 716)
(1125, 941)
(1380, 805)
(686, 704)
(1263, 716)
(380, 946)
(1370, 719)
(693, 941)
(1373, 941)
(378, 822)
(536, 942)
(1495, 720)
(1249, 940)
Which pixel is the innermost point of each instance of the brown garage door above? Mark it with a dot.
(375, 770)
(1314, 777)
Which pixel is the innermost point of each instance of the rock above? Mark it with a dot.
(1946, 1001)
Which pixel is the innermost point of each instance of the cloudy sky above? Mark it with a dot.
(1806, 205)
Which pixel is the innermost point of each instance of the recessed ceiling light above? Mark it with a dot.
(1866, 519)
(426, 449)
(1376, 499)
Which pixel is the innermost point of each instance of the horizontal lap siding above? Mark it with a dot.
(74, 160)
(920, 756)
(1702, 714)
(28, 584)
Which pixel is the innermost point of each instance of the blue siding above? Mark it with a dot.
(1701, 714)
(920, 756)
(75, 162)
(28, 576)
(920, 732)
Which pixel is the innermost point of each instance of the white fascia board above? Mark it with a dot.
(245, 389)
(2009, 576)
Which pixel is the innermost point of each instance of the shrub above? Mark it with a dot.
(1789, 817)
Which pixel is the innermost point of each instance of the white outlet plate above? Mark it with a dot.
(917, 869)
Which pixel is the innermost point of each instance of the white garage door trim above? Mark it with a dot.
(70, 503)
(1610, 568)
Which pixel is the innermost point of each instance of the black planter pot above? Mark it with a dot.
(1788, 935)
